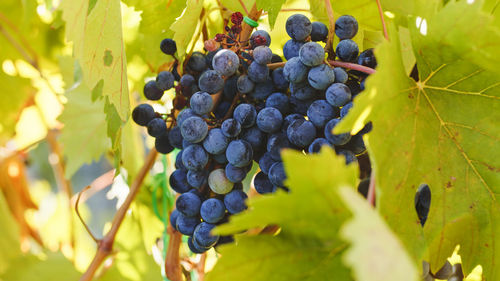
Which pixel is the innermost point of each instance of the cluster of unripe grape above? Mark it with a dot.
(238, 104)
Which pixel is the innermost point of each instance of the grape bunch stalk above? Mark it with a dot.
(238, 103)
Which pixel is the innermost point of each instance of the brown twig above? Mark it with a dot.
(229, 112)
(200, 267)
(77, 211)
(247, 29)
(173, 260)
(381, 14)
(105, 245)
(331, 30)
(371, 190)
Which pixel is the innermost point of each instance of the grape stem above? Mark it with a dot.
(381, 14)
(347, 65)
(331, 29)
(105, 245)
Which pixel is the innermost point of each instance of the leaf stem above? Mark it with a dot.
(105, 245)
(381, 14)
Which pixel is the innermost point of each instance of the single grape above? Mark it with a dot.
(194, 129)
(165, 80)
(226, 62)
(277, 174)
(183, 115)
(347, 50)
(202, 235)
(178, 181)
(197, 62)
(340, 75)
(186, 225)
(142, 114)
(235, 201)
(319, 31)
(195, 247)
(289, 119)
(262, 33)
(244, 84)
(201, 103)
(151, 91)
(300, 106)
(262, 54)
(197, 179)
(295, 71)
(215, 142)
(320, 112)
(211, 82)
(157, 127)
(291, 49)
(279, 79)
(345, 109)
(231, 128)
(212, 210)
(218, 182)
(173, 218)
(175, 137)
(255, 137)
(258, 72)
(423, 202)
(194, 157)
(178, 162)
(298, 27)
(312, 54)
(262, 184)
(279, 101)
(356, 144)
(335, 139)
(239, 153)
(263, 90)
(346, 27)
(338, 94)
(301, 133)
(188, 204)
(245, 114)
(321, 76)
(275, 143)
(188, 85)
(317, 144)
(367, 58)
(303, 91)
(235, 174)
(269, 120)
(162, 144)
(168, 46)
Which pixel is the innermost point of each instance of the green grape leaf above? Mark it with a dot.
(185, 26)
(375, 253)
(365, 12)
(154, 28)
(15, 92)
(96, 33)
(442, 131)
(84, 128)
(273, 8)
(308, 246)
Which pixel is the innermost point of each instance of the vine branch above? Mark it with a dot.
(105, 245)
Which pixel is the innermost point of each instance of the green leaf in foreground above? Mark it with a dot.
(375, 253)
(443, 131)
(308, 246)
(273, 7)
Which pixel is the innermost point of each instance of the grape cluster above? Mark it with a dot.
(234, 107)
